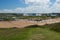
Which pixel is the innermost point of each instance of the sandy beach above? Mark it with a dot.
(23, 23)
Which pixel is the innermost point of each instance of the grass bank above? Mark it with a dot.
(33, 33)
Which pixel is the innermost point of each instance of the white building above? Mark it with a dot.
(31, 14)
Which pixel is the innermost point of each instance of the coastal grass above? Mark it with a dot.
(35, 33)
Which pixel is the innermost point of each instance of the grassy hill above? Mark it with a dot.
(31, 33)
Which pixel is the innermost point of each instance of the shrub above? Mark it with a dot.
(32, 26)
(8, 19)
(54, 27)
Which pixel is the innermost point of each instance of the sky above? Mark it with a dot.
(29, 6)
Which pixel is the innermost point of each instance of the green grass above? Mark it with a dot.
(36, 33)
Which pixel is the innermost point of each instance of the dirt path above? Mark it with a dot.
(24, 23)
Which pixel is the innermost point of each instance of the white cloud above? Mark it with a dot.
(35, 6)
(36, 1)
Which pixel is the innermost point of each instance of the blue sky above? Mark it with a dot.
(27, 6)
(11, 4)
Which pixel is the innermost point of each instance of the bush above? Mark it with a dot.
(32, 26)
(8, 19)
(54, 27)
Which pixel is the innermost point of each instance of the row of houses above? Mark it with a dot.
(30, 14)
(52, 14)
(39, 14)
